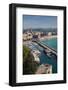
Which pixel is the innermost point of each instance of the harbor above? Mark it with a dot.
(49, 56)
(40, 44)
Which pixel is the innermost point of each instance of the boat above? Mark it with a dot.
(47, 52)
(37, 52)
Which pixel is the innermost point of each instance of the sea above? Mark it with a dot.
(44, 59)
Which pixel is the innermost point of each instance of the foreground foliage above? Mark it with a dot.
(29, 65)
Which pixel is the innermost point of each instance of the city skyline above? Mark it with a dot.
(34, 21)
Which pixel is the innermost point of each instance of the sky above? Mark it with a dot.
(34, 21)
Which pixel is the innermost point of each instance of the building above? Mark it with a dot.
(49, 33)
(27, 36)
(24, 36)
(36, 35)
(44, 69)
(54, 33)
(48, 68)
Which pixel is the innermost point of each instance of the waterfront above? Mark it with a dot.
(51, 42)
(40, 44)
(44, 59)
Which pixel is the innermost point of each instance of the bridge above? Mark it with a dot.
(46, 47)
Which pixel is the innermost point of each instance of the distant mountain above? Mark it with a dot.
(42, 29)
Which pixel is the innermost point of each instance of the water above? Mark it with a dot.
(51, 43)
(44, 59)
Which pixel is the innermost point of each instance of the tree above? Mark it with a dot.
(29, 65)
